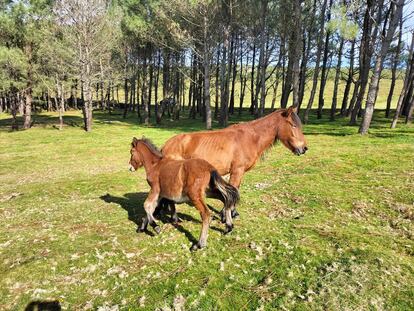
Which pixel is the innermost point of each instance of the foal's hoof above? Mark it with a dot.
(196, 246)
(175, 220)
(228, 230)
(234, 213)
(157, 229)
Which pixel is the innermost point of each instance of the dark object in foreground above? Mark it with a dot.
(181, 181)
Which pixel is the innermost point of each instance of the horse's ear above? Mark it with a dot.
(134, 142)
(290, 110)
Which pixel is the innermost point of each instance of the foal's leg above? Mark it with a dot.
(205, 216)
(149, 205)
(163, 204)
(174, 217)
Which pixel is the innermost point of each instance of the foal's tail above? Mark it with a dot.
(230, 193)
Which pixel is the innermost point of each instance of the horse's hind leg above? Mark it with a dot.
(229, 220)
(235, 180)
(205, 216)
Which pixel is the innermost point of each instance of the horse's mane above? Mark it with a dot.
(154, 149)
(294, 116)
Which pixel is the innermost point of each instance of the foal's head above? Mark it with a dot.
(138, 153)
(290, 132)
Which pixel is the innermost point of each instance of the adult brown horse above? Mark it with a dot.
(181, 181)
(236, 149)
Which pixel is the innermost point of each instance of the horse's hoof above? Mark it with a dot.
(157, 229)
(140, 230)
(234, 214)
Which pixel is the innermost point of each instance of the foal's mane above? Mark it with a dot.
(147, 142)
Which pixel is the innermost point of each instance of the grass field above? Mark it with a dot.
(331, 230)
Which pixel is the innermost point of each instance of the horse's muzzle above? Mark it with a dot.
(300, 151)
(131, 168)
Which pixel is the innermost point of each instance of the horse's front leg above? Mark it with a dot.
(149, 205)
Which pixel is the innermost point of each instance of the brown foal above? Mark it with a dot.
(236, 149)
(181, 181)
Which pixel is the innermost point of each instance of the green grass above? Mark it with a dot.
(331, 230)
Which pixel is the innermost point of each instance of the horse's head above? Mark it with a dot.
(290, 132)
(135, 162)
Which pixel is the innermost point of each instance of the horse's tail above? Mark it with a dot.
(230, 193)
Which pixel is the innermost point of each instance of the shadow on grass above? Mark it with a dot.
(43, 306)
(133, 203)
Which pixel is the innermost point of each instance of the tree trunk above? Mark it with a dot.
(144, 91)
(125, 92)
(192, 100)
(321, 101)
(86, 89)
(75, 95)
(28, 93)
(366, 50)
(61, 100)
(176, 88)
(373, 87)
(408, 83)
(409, 117)
(224, 79)
(13, 104)
(394, 70)
(166, 75)
(234, 75)
(151, 79)
(206, 65)
(262, 60)
(101, 85)
(296, 40)
(288, 83)
(305, 55)
(316, 69)
(348, 80)
(336, 83)
(243, 79)
(252, 91)
(217, 85)
(157, 77)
